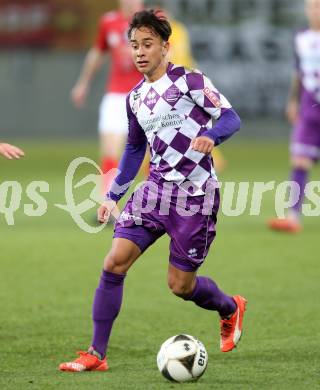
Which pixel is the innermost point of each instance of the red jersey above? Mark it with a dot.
(112, 37)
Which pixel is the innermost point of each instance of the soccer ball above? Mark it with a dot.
(182, 358)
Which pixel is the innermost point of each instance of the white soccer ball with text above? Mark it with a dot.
(182, 358)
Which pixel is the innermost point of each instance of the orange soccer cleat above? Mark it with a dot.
(287, 225)
(86, 362)
(231, 328)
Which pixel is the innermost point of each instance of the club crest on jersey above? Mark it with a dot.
(172, 94)
(212, 97)
(151, 98)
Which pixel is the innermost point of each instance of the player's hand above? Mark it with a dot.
(106, 209)
(11, 151)
(79, 95)
(202, 144)
(292, 111)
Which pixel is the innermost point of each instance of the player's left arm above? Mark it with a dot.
(227, 121)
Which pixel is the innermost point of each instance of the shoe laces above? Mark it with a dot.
(84, 356)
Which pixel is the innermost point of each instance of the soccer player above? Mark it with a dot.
(112, 39)
(181, 115)
(303, 111)
(10, 151)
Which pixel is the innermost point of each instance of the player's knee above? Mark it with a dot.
(116, 263)
(305, 163)
(180, 288)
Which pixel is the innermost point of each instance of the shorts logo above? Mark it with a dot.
(129, 217)
(193, 252)
(212, 97)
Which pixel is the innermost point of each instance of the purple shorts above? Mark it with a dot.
(305, 140)
(191, 235)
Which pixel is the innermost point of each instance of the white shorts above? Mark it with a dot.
(113, 114)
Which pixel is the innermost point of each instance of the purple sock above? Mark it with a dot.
(207, 295)
(299, 176)
(106, 306)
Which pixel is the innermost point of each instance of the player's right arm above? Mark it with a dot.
(10, 151)
(129, 166)
(293, 103)
(91, 64)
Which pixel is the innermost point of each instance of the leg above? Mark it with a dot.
(108, 296)
(299, 174)
(205, 293)
(305, 150)
(112, 145)
(106, 306)
(301, 166)
(129, 242)
(186, 256)
(201, 290)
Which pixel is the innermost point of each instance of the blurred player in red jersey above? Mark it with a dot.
(10, 151)
(123, 76)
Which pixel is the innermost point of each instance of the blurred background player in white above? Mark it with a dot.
(10, 151)
(303, 112)
(123, 76)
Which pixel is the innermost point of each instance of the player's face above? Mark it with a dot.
(313, 13)
(148, 51)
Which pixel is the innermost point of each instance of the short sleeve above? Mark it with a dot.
(136, 134)
(205, 95)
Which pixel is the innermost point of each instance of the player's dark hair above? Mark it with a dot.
(155, 20)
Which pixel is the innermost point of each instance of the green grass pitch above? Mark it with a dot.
(49, 270)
